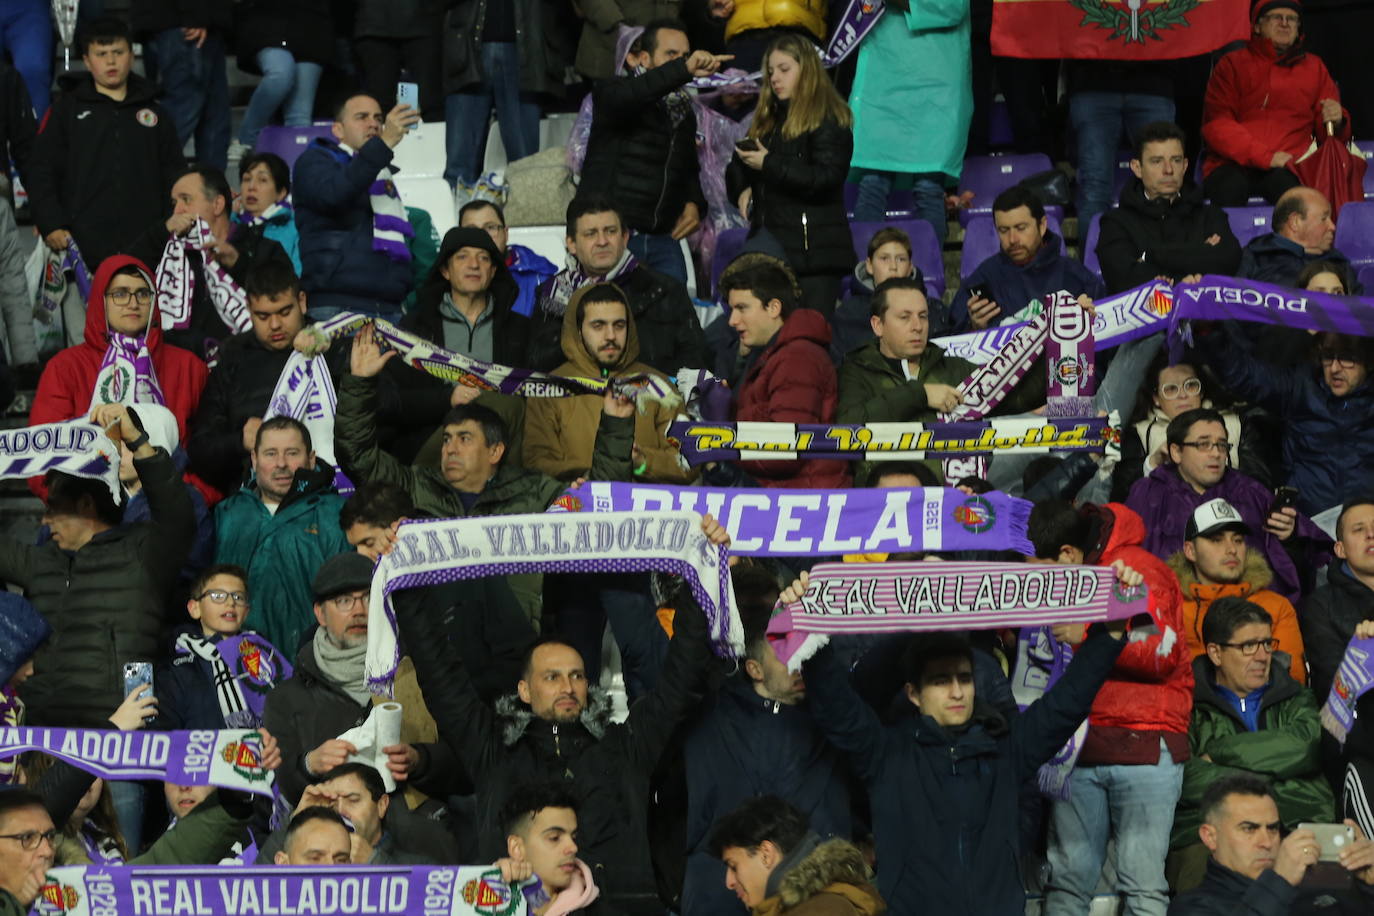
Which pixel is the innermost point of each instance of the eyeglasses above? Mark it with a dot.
(30, 839)
(1206, 445)
(1251, 646)
(1190, 387)
(1282, 18)
(220, 596)
(1348, 360)
(345, 602)
(121, 296)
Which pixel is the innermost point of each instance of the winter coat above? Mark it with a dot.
(832, 880)
(560, 433)
(1284, 751)
(1013, 287)
(280, 227)
(1253, 439)
(1229, 893)
(637, 156)
(1328, 441)
(306, 710)
(745, 745)
(103, 170)
(1144, 239)
(106, 602)
(1165, 501)
(793, 381)
(334, 219)
(799, 196)
(150, 16)
(1253, 587)
(544, 50)
(67, 384)
(912, 95)
(282, 551)
(530, 270)
(606, 766)
(1329, 617)
(510, 331)
(1272, 258)
(303, 27)
(397, 18)
(18, 129)
(778, 14)
(202, 549)
(1259, 104)
(596, 49)
(670, 335)
(966, 782)
(185, 682)
(850, 323)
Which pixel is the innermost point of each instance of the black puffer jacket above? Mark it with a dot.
(397, 18)
(149, 16)
(545, 51)
(1144, 239)
(799, 196)
(303, 27)
(637, 156)
(1328, 618)
(106, 602)
(607, 766)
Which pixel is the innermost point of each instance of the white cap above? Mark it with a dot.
(1212, 517)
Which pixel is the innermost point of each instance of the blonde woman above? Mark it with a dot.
(787, 176)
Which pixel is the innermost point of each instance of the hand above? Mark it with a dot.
(1358, 857)
(32, 884)
(981, 312)
(1282, 523)
(513, 872)
(753, 157)
(687, 221)
(401, 760)
(196, 35)
(1280, 159)
(1160, 456)
(715, 533)
(329, 755)
(704, 63)
(316, 797)
(1070, 634)
(463, 394)
(1331, 111)
(794, 591)
(399, 120)
(180, 223)
(1297, 853)
(1364, 629)
(225, 253)
(1126, 575)
(58, 239)
(137, 706)
(722, 9)
(942, 398)
(366, 359)
(309, 341)
(250, 433)
(1085, 302)
(115, 420)
(746, 197)
(359, 849)
(1207, 757)
(271, 751)
(613, 405)
(1194, 278)
(1213, 239)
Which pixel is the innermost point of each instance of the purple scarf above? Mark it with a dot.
(1354, 678)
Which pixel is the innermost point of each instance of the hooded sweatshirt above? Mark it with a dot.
(560, 433)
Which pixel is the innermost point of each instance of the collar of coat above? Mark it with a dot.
(834, 867)
(516, 716)
(1254, 577)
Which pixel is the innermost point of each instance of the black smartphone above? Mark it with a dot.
(977, 291)
(748, 143)
(1284, 498)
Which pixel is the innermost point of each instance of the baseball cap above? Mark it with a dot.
(1214, 517)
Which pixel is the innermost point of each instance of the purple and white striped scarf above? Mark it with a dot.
(572, 278)
(1040, 661)
(1354, 678)
(391, 229)
(176, 282)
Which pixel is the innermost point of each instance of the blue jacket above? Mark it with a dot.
(945, 804)
(529, 270)
(1271, 258)
(1013, 288)
(334, 219)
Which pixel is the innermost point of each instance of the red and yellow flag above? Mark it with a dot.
(1116, 29)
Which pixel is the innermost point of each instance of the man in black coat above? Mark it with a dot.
(642, 152)
(1163, 227)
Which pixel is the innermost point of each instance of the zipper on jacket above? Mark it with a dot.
(806, 237)
(663, 186)
(953, 760)
(557, 747)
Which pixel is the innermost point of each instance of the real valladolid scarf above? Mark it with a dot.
(176, 282)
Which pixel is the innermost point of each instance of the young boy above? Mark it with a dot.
(889, 255)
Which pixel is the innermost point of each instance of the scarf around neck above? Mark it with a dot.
(126, 374)
(578, 895)
(342, 667)
(176, 282)
(572, 278)
(391, 229)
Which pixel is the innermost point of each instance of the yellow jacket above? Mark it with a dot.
(771, 14)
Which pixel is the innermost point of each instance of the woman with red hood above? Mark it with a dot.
(123, 355)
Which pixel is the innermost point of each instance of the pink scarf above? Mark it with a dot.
(579, 894)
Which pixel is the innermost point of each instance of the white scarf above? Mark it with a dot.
(176, 283)
(305, 392)
(126, 374)
(232, 705)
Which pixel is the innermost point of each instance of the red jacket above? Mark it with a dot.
(65, 388)
(1151, 687)
(1257, 106)
(793, 381)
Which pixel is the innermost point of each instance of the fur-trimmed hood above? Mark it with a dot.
(833, 867)
(1257, 575)
(516, 716)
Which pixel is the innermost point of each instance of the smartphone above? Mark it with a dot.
(977, 291)
(1284, 498)
(136, 674)
(1332, 838)
(409, 94)
(748, 143)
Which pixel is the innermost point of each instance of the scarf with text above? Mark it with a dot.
(176, 282)
(1040, 661)
(76, 447)
(243, 669)
(1354, 678)
(305, 392)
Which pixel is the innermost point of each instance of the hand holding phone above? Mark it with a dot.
(409, 94)
(1284, 498)
(136, 675)
(748, 143)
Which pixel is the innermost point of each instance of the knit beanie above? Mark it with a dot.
(22, 631)
(1260, 7)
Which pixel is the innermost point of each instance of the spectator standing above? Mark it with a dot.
(529, 269)
(788, 175)
(288, 43)
(26, 34)
(185, 41)
(18, 133)
(600, 29)
(393, 40)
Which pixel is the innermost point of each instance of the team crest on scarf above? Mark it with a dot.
(59, 898)
(975, 515)
(567, 503)
(258, 667)
(491, 897)
(1161, 301)
(1070, 369)
(245, 757)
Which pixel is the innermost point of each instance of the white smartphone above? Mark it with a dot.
(409, 94)
(1331, 838)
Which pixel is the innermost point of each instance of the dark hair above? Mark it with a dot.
(877, 306)
(1243, 783)
(921, 471)
(1226, 615)
(12, 800)
(1144, 401)
(1341, 270)
(1019, 196)
(1157, 132)
(1054, 523)
(932, 647)
(889, 234)
(276, 165)
(341, 103)
(977, 484)
(203, 577)
(598, 293)
(377, 503)
(212, 181)
(270, 278)
(313, 813)
(366, 773)
(584, 204)
(104, 30)
(648, 39)
(473, 206)
(528, 799)
(548, 639)
(1176, 433)
(1291, 203)
(1345, 346)
(756, 594)
(282, 422)
(1349, 504)
(764, 277)
(493, 427)
(66, 492)
(1038, 469)
(765, 817)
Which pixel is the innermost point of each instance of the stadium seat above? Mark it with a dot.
(988, 176)
(1090, 245)
(545, 241)
(1355, 232)
(289, 142)
(728, 246)
(422, 155)
(980, 241)
(925, 250)
(434, 196)
(1366, 148)
(1366, 279)
(1122, 176)
(1249, 222)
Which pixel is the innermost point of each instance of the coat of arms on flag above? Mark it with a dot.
(1116, 29)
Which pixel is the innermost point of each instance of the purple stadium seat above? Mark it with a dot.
(728, 246)
(851, 197)
(1090, 245)
(289, 142)
(1122, 176)
(1249, 222)
(1367, 148)
(988, 176)
(1355, 232)
(925, 250)
(1366, 278)
(980, 241)
(999, 125)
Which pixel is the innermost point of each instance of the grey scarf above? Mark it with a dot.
(342, 667)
